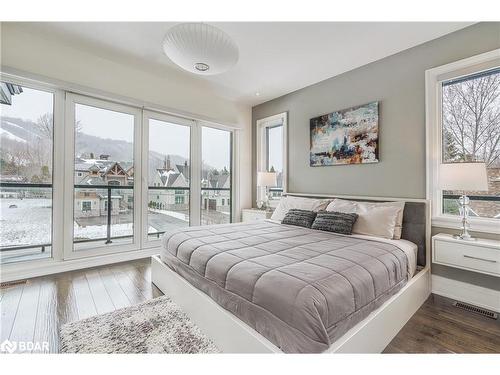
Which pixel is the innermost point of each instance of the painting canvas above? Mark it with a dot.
(348, 136)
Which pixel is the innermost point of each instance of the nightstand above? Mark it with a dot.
(254, 214)
(479, 255)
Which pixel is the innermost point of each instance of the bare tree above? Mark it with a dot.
(471, 119)
(45, 125)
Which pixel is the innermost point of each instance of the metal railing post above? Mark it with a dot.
(110, 207)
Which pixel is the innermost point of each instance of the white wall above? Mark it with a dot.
(56, 57)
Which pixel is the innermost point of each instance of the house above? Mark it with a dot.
(215, 195)
(93, 202)
(170, 187)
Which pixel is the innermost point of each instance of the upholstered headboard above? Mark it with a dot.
(415, 220)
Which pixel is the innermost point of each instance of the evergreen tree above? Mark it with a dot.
(451, 151)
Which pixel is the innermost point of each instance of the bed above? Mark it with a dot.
(270, 287)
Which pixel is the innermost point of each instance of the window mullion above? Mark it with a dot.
(58, 181)
(195, 178)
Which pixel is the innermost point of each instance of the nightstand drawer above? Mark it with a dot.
(467, 256)
(249, 215)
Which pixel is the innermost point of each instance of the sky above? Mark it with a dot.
(164, 137)
(276, 148)
(216, 147)
(167, 139)
(29, 105)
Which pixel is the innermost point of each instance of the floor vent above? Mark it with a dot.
(476, 310)
(8, 284)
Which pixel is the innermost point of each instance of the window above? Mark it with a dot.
(216, 177)
(26, 168)
(169, 175)
(271, 154)
(465, 127)
(115, 166)
(86, 206)
(104, 147)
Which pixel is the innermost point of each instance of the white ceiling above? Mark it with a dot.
(275, 58)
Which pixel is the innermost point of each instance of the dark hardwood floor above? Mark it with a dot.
(439, 327)
(35, 311)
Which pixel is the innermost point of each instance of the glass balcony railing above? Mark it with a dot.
(25, 221)
(216, 206)
(168, 209)
(103, 214)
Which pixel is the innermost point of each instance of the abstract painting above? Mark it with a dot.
(348, 136)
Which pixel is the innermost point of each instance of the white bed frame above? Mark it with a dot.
(231, 335)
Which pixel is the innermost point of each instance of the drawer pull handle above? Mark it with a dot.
(483, 259)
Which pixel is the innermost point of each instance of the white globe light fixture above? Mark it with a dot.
(200, 48)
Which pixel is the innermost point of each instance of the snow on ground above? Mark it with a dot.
(178, 215)
(29, 223)
(100, 231)
(9, 135)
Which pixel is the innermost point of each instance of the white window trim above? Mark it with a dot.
(191, 124)
(63, 258)
(234, 169)
(434, 143)
(262, 125)
(92, 249)
(57, 167)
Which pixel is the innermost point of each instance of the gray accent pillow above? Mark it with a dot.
(300, 218)
(332, 221)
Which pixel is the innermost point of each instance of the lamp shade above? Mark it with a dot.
(266, 179)
(463, 176)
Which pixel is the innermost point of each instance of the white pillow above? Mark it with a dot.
(289, 202)
(381, 219)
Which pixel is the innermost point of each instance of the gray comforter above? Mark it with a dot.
(300, 288)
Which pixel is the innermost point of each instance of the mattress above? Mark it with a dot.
(300, 288)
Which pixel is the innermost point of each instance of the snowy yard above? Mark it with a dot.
(30, 223)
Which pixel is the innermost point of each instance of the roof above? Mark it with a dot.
(219, 181)
(7, 90)
(92, 180)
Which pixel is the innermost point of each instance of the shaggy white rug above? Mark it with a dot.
(156, 326)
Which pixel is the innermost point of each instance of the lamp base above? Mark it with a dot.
(464, 237)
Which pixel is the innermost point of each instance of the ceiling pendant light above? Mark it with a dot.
(200, 48)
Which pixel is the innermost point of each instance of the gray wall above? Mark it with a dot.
(398, 83)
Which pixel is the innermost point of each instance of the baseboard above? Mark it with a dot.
(19, 271)
(473, 294)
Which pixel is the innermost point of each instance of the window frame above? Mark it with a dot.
(147, 241)
(262, 148)
(234, 135)
(57, 166)
(90, 250)
(434, 145)
(62, 231)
